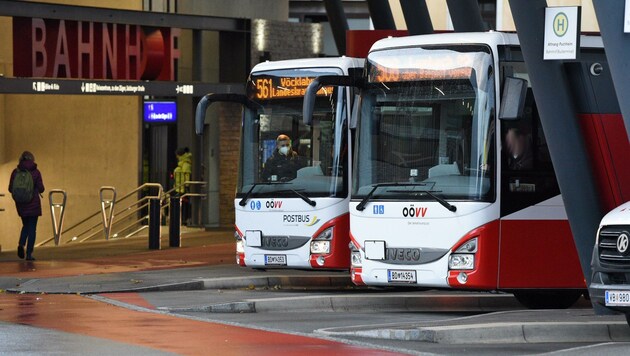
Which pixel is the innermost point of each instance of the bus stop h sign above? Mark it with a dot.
(562, 30)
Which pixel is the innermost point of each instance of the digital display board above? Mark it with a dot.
(272, 87)
(379, 74)
(160, 111)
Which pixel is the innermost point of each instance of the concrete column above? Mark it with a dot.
(417, 17)
(466, 15)
(559, 120)
(381, 15)
(610, 15)
(338, 23)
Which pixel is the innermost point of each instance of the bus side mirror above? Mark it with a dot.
(513, 98)
(209, 99)
(322, 81)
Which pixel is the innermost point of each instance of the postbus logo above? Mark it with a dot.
(560, 24)
(414, 212)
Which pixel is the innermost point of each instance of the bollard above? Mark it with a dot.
(155, 226)
(175, 223)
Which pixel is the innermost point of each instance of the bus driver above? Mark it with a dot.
(283, 163)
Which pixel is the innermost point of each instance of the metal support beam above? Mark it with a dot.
(381, 15)
(562, 130)
(338, 23)
(417, 17)
(143, 18)
(466, 15)
(610, 16)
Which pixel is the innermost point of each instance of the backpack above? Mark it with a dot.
(22, 186)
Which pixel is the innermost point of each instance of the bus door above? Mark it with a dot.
(536, 245)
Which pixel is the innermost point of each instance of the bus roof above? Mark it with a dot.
(491, 38)
(343, 63)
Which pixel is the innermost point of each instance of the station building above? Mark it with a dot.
(77, 76)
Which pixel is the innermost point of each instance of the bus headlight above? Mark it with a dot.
(319, 247)
(321, 242)
(355, 258)
(325, 235)
(469, 246)
(239, 246)
(239, 242)
(461, 261)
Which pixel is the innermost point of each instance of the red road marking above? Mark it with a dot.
(130, 298)
(80, 315)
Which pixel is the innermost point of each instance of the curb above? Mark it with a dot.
(168, 287)
(330, 281)
(356, 303)
(285, 282)
(499, 333)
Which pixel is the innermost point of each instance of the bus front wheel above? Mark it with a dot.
(540, 299)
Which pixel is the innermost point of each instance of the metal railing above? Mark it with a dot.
(166, 202)
(115, 222)
(57, 212)
(89, 228)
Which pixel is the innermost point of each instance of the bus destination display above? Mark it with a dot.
(269, 88)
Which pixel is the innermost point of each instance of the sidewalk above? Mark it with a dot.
(96, 257)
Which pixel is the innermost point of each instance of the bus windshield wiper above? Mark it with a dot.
(243, 201)
(308, 200)
(430, 193)
(367, 198)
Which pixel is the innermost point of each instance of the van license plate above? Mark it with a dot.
(618, 298)
(401, 276)
(276, 260)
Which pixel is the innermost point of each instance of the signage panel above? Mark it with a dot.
(50, 48)
(160, 111)
(562, 32)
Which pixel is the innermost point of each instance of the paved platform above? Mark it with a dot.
(201, 278)
(184, 336)
(509, 327)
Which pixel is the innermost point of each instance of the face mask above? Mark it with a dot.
(284, 150)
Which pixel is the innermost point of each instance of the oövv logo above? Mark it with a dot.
(414, 212)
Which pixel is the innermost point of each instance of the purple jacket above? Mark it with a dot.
(34, 207)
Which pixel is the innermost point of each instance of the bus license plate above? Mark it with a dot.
(276, 260)
(618, 298)
(401, 276)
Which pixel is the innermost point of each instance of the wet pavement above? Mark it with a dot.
(84, 316)
(119, 256)
(157, 302)
(70, 321)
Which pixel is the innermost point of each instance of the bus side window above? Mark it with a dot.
(527, 176)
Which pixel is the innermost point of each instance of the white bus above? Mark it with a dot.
(292, 201)
(450, 189)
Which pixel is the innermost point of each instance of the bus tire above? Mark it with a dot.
(542, 299)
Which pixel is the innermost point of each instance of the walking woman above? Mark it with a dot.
(26, 186)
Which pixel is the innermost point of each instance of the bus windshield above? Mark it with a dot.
(427, 124)
(279, 154)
